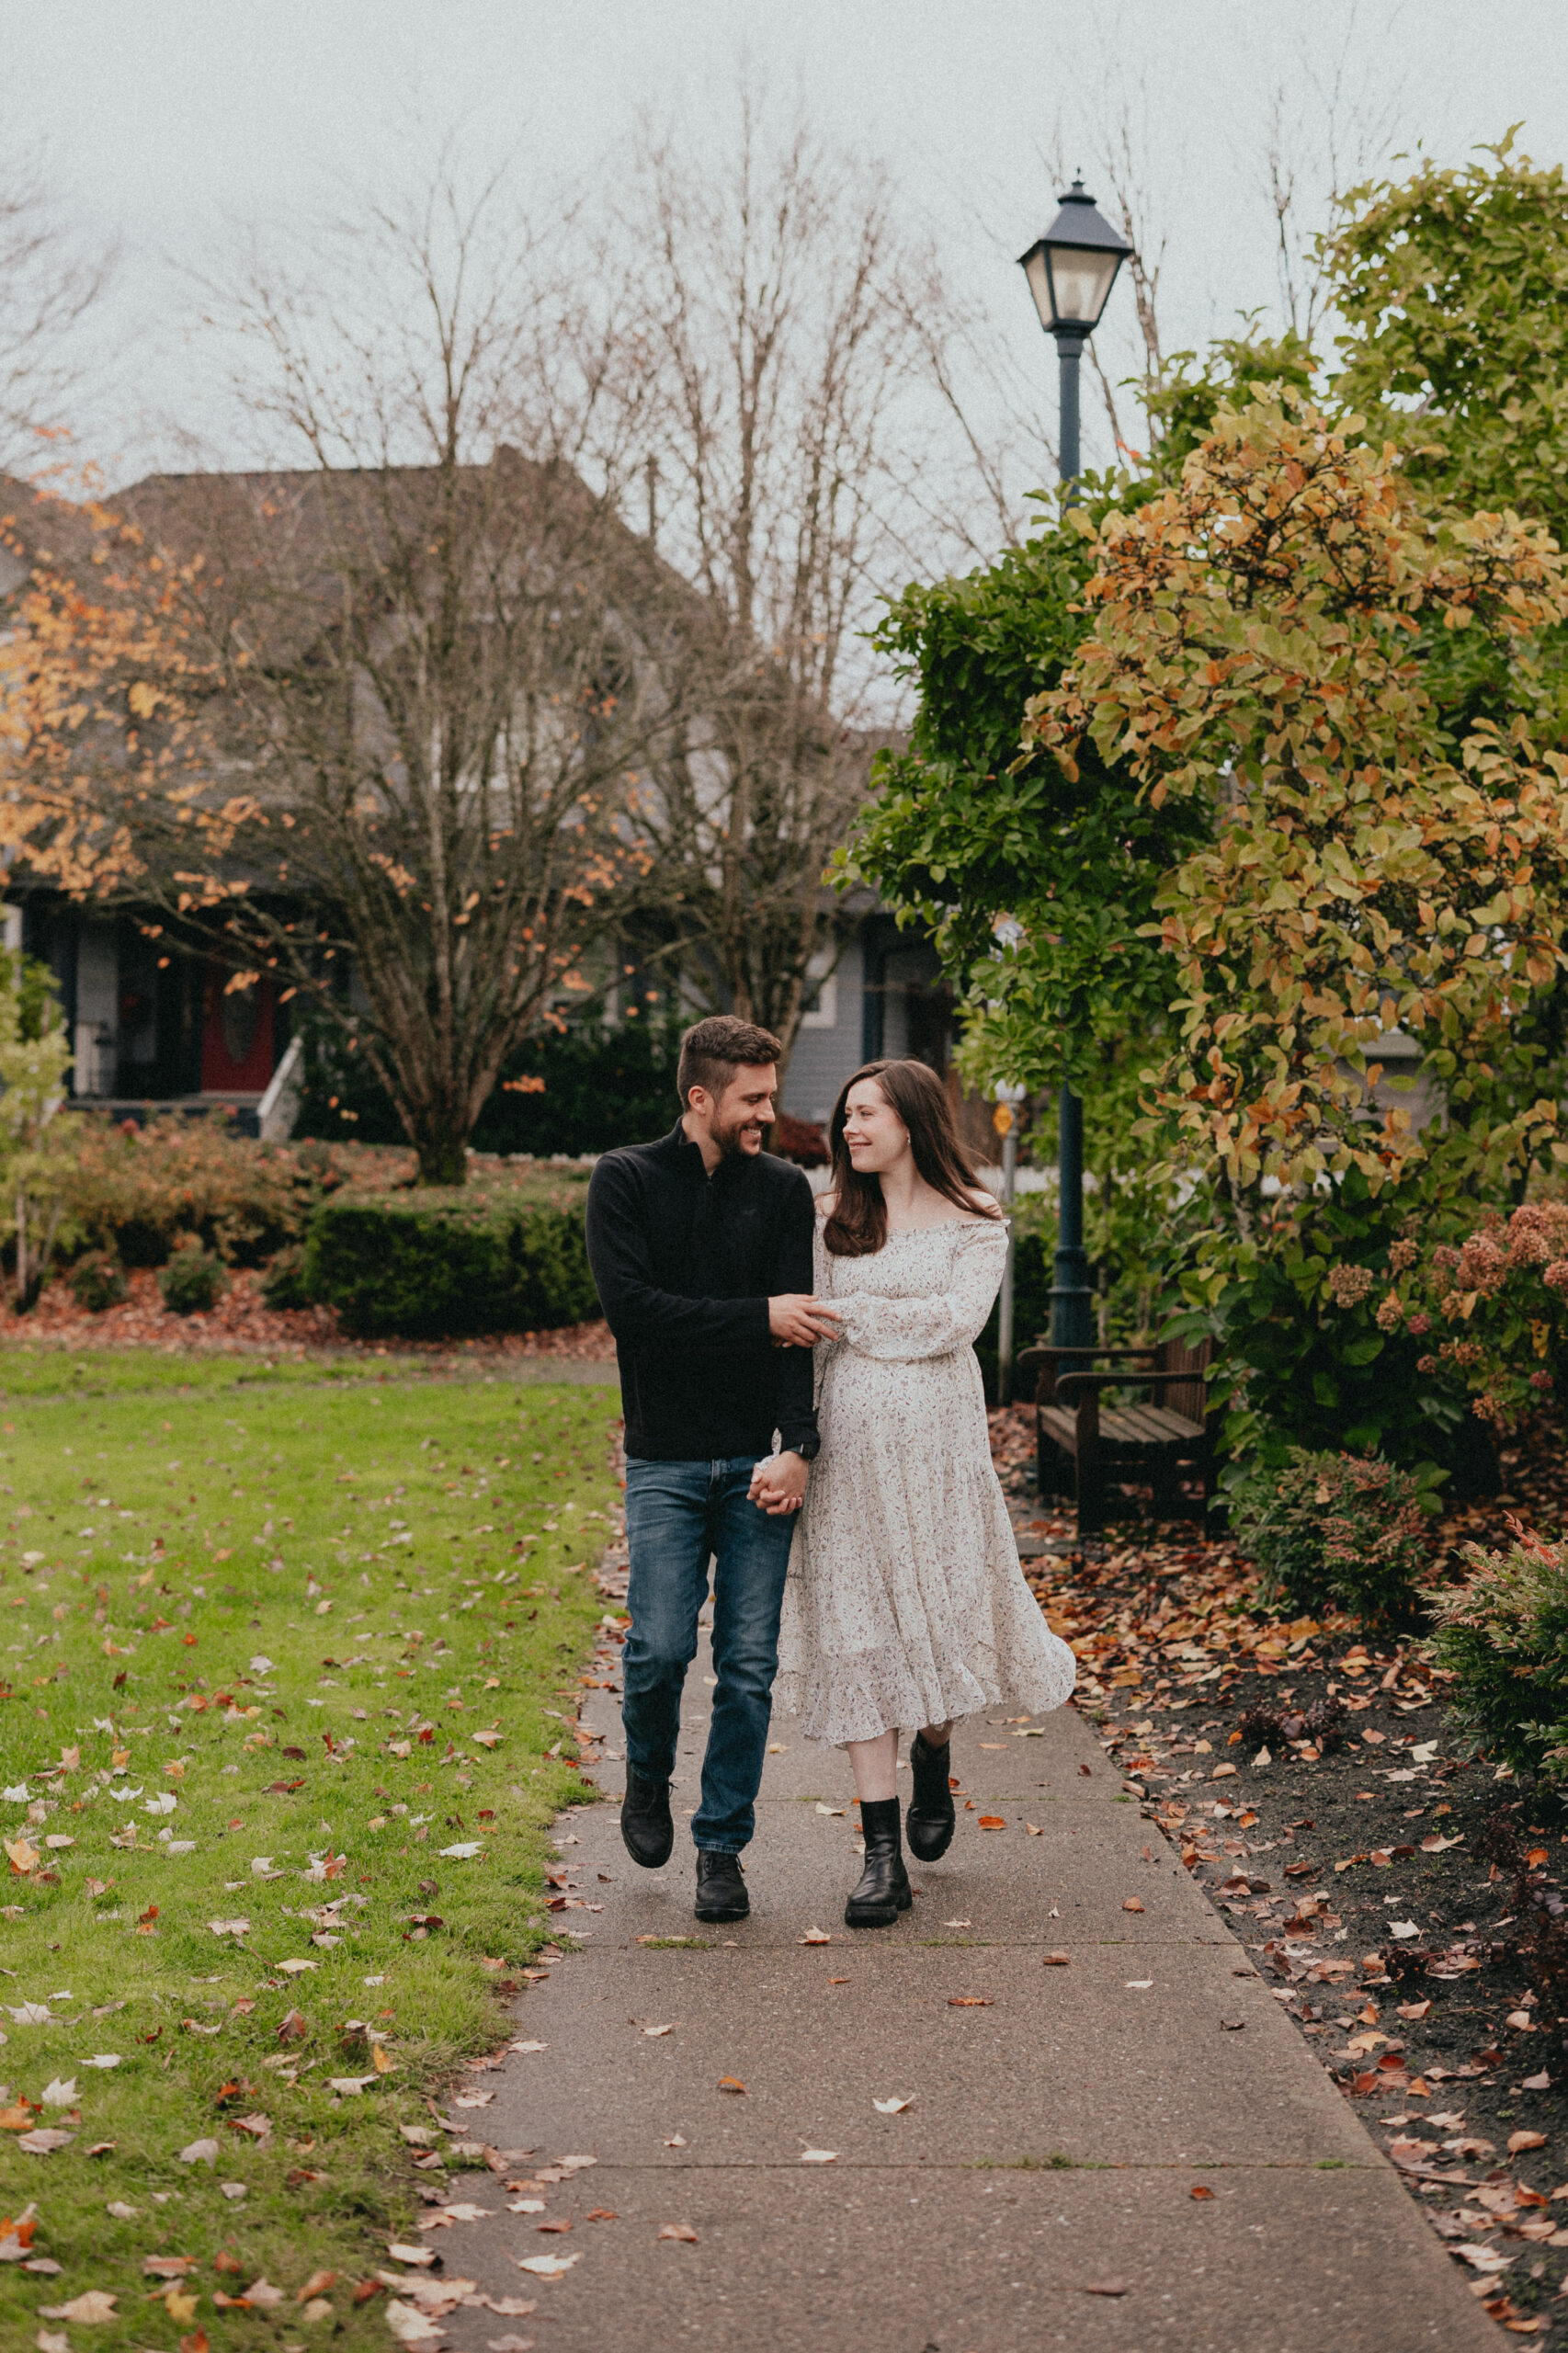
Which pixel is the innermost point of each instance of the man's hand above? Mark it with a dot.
(778, 1484)
(798, 1321)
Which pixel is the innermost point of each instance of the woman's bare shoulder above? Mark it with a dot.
(988, 1211)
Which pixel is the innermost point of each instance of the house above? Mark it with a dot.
(153, 1020)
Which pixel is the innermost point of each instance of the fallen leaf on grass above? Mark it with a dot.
(88, 2311)
(682, 2230)
(59, 2093)
(44, 2144)
(169, 2267)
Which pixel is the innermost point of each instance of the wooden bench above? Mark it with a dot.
(1084, 1448)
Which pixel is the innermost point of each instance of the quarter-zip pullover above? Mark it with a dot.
(685, 1264)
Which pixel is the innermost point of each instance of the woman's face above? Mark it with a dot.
(874, 1136)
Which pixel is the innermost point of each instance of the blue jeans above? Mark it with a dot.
(677, 1515)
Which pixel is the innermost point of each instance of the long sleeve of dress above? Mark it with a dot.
(900, 1330)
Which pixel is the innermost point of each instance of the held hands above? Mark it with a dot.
(795, 1320)
(778, 1484)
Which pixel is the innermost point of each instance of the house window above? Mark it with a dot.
(821, 1010)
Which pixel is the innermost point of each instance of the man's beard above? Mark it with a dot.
(729, 1139)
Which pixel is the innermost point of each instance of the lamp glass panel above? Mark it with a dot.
(1083, 277)
(1040, 282)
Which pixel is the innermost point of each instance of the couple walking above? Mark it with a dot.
(802, 1405)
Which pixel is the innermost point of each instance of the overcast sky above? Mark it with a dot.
(173, 125)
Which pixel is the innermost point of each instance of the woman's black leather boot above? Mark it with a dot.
(931, 1816)
(884, 1891)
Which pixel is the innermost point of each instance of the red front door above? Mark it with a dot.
(237, 1038)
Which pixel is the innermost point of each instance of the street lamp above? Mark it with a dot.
(1071, 271)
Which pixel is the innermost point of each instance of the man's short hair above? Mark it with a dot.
(713, 1051)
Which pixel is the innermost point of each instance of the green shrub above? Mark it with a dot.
(193, 1280)
(436, 1261)
(98, 1282)
(283, 1284)
(584, 1088)
(1503, 1636)
(1336, 1530)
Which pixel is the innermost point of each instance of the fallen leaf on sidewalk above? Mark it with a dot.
(1139, 1985)
(527, 2046)
(601, 2214)
(819, 2156)
(1056, 1960)
(655, 2031)
(1105, 2287)
(730, 2083)
(816, 1937)
(958, 1924)
(1199, 2190)
(546, 2266)
(1132, 1903)
(1034, 1830)
(891, 2107)
(1542, 2083)
(682, 2230)
(969, 2001)
(993, 1822)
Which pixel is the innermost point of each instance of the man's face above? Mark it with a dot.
(736, 1121)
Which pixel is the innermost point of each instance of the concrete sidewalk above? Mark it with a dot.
(1059, 2121)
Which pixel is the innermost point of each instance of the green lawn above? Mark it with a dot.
(282, 1673)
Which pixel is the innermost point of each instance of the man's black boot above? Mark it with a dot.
(645, 1822)
(884, 1891)
(721, 1890)
(931, 1817)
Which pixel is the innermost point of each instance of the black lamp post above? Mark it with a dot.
(1071, 271)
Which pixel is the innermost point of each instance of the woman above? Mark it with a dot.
(905, 1606)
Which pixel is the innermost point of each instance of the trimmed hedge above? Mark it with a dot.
(431, 1262)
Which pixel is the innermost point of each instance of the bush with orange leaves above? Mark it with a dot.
(1491, 1309)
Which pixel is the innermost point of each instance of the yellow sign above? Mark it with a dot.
(1002, 1118)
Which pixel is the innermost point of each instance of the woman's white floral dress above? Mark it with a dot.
(905, 1604)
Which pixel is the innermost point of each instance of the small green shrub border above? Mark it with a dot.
(433, 1262)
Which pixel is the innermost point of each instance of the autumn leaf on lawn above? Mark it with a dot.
(88, 2311)
(23, 1856)
(17, 2237)
(199, 2153)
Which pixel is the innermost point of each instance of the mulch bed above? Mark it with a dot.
(1379, 1874)
(242, 1323)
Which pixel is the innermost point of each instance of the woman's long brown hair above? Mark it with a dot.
(857, 1226)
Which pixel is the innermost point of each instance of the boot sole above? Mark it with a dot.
(877, 1915)
(921, 1843)
(718, 1915)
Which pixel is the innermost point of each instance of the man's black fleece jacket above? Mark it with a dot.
(685, 1264)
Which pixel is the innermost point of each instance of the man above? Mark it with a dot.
(701, 1249)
